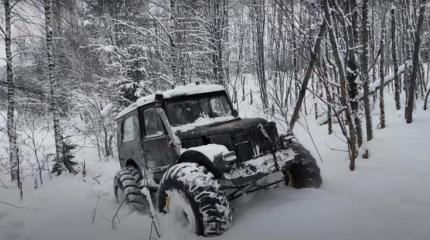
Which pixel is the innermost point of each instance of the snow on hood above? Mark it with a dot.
(186, 90)
(201, 121)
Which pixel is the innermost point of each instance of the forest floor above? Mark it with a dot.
(386, 197)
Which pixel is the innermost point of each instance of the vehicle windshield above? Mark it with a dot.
(189, 110)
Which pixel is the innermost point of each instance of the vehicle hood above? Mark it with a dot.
(235, 125)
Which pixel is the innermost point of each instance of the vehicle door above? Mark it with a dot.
(157, 149)
(129, 139)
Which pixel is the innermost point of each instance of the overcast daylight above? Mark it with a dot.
(214, 119)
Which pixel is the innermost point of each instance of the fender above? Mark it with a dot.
(206, 156)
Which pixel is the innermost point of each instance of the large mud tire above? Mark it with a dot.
(209, 205)
(126, 185)
(304, 171)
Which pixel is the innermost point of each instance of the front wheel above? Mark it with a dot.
(192, 195)
(304, 171)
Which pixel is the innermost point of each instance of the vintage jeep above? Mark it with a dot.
(191, 150)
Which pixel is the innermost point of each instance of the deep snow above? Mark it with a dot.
(387, 197)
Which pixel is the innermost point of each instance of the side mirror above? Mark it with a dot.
(235, 113)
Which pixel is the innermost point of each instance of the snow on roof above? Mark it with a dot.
(186, 90)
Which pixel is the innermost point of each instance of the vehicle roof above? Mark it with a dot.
(185, 90)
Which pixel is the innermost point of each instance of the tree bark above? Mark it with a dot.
(365, 67)
(344, 99)
(426, 99)
(11, 124)
(308, 74)
(415, 64)
(382, 75)
(218, 9)
(352, 73)
(259, 16)
(53, 86)
(174, 49)
(394, 56)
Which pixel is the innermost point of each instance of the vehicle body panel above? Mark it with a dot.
(130, 152)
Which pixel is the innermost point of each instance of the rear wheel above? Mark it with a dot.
(126, 188)
(192, 195)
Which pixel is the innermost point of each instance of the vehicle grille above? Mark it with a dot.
(251, 143)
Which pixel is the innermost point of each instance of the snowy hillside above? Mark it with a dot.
(387, 197)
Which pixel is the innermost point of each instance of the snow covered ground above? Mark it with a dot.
(387, 197)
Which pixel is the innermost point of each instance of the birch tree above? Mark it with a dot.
(365, 67)
(352, 65)
(394, 56)
(382, 73)
(61, 162)
(11, 124)
(344, 99)
(258, 14)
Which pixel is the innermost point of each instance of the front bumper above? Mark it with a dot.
(257, 168)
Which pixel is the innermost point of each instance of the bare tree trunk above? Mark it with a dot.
(372, 49)
(426, 99)
(325, 80)
(174, 50)
(415, 64)
(217, 8)
(259, 15)
(226, 38)
(394, 55)
(308, 74)
(295, 53)
(11, 124)
(406, 16)
(53, 87)
(344, 99)
(382, 75)
(352, 74)
(280, 49)
(365, 68)
(314, 93)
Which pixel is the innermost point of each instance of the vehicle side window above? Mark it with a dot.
(128, 129)
(153, 125)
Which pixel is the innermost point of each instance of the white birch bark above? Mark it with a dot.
(53, 84)
(11, 124)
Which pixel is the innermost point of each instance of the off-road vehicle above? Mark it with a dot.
(191, 150)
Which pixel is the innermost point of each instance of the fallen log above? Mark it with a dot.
(372, 89)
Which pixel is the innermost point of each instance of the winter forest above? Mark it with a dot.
(342, 85)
